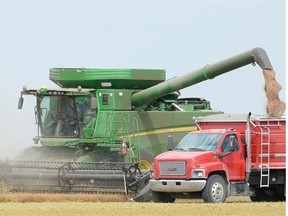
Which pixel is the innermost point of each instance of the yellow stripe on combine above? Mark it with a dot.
(166, 130)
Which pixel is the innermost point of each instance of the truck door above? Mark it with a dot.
(233, 157)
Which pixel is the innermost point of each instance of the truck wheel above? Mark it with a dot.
(162, 197)
(215, 190)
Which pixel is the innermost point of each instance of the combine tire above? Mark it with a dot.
(215, 190)
(162, 197)
(146, 159)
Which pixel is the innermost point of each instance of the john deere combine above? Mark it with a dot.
(101, 130)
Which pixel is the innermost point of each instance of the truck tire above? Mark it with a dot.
(162, 197)
(215, 190)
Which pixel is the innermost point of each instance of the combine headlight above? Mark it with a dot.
(198, 173)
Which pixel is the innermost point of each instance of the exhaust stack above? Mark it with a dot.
(248, 142)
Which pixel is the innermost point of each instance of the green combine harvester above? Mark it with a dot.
(100, 131)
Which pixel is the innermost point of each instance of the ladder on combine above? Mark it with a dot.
(118, 130)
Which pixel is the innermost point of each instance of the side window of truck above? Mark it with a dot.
(230, 143)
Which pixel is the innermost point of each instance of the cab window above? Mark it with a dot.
(230, 143)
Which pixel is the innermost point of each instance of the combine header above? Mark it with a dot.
(101, 130)
(72, 177)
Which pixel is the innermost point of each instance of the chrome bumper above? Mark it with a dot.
(178, 186)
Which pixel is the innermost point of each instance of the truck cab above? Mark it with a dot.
(230, 155)
(202, 159)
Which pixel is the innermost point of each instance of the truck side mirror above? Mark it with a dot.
(170, 142)
(20, 102)
(93, 103)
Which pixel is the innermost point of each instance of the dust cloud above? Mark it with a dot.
(275, 107)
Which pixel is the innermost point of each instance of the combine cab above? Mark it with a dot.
(102, 128)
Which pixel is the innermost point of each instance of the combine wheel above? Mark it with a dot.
(144, 165)
(146, 155)
(162, 197)
(146, 159)
(215, 190)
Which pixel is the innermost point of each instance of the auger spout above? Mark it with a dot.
(256, 55)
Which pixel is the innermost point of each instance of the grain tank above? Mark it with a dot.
(117, 120)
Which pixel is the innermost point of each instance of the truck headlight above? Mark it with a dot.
(198, 173)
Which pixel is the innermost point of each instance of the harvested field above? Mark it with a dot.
(38, 197)
(132, 208)
(89, 204)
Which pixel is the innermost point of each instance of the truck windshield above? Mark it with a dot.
(199, 142)
(62, 116)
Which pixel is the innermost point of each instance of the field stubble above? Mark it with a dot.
(89, 204)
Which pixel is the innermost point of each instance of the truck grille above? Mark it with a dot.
(173, 168)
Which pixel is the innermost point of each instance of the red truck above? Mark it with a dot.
(229, 155)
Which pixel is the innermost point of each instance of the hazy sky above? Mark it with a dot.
(179, 36)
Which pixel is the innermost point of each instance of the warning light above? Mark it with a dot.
(24, 87)
(43, 89)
